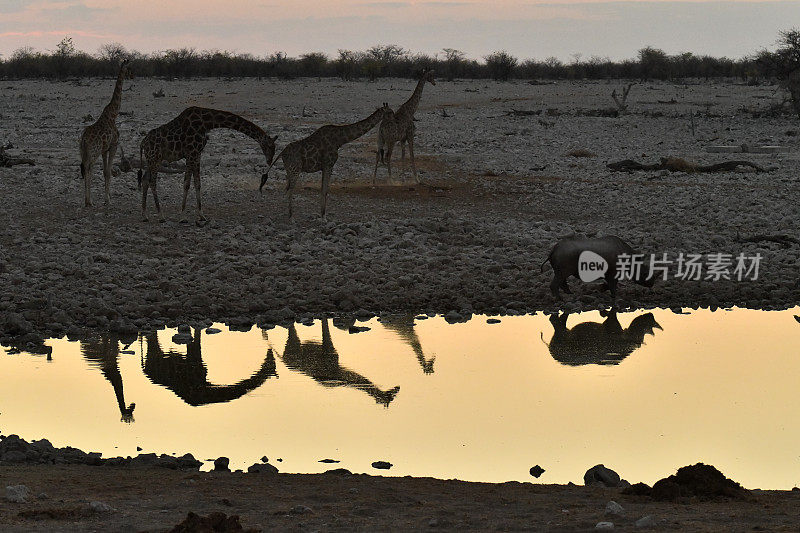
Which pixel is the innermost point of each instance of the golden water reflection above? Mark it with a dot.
(642, 393)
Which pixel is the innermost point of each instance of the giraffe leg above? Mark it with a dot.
(86, 170)
(378, 160)
(411, 156)
(187, 180)
(291, 179)
(155, 197)
(104, 159)
(108, 164)
(200, 215)
(326, 181)
(145, 184)
(389, 151)
(403, 156)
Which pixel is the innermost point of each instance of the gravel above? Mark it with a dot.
(471, 241)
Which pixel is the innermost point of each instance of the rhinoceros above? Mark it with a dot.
(566, 254)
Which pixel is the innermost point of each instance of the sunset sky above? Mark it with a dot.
(528, 29)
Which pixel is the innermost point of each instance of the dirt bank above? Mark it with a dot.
(148, 499)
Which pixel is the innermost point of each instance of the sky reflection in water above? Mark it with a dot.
(643, 393)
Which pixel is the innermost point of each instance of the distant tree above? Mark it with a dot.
(66, 47)
(280, 65)
(25, 62)
(345, 65)
(788, 65)
(501, 65)
(112, 52)
(62, 56)
(453, 60)
(553, 67)
(182, 62)
(313, 64)
(383, 60)
(654, 64)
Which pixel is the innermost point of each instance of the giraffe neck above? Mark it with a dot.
(213, 119)
(351, 132)
(112, 109)
(410, 106)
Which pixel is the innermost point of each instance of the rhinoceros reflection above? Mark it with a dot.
(186, 375)
(320, 361)
(103, 352)
(600, 343)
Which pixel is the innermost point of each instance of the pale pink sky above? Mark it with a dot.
(529, 29)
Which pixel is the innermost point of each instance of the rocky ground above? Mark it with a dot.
(49, 489)
(499, 189)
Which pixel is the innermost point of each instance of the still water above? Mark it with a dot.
(643, 393)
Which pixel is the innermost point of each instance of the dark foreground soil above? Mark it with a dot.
(155, 499)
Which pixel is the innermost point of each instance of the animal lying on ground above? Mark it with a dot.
(566, 254)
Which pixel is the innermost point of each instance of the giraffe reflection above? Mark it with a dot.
(320, 361)
(103, 352)
(186, 375)
(403, 326)
(600, 343)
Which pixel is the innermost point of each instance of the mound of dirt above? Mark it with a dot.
(697, 481)
(213, 523)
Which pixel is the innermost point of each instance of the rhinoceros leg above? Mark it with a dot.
(565, 287)
(612, 286)
(558, 282)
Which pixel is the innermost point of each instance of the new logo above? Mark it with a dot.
(591, 266)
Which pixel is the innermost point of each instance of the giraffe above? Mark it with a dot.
(319, 152)
(401, 128)
(403, 326)
(185, 137)
(103, 352)
(187, 376)
(101, 138)
(320, 361)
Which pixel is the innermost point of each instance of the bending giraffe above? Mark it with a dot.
(400, 128)
(185, 137)
(319, 152)
(320, 361)
(101, 139)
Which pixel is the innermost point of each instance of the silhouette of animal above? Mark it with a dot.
(103, 351)
(319, 152)
(566, 253)
(403, 326)
(185, 137)
(101, 139)
(400, 128)
(606, 343)
(320, 361)
(186, 375)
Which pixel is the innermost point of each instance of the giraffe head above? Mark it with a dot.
(125, 69)
(427, 75)
(386, 112)
(268, 147)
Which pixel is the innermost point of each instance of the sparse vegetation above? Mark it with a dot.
(65, 61)
(787, 62)
(501, 65)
